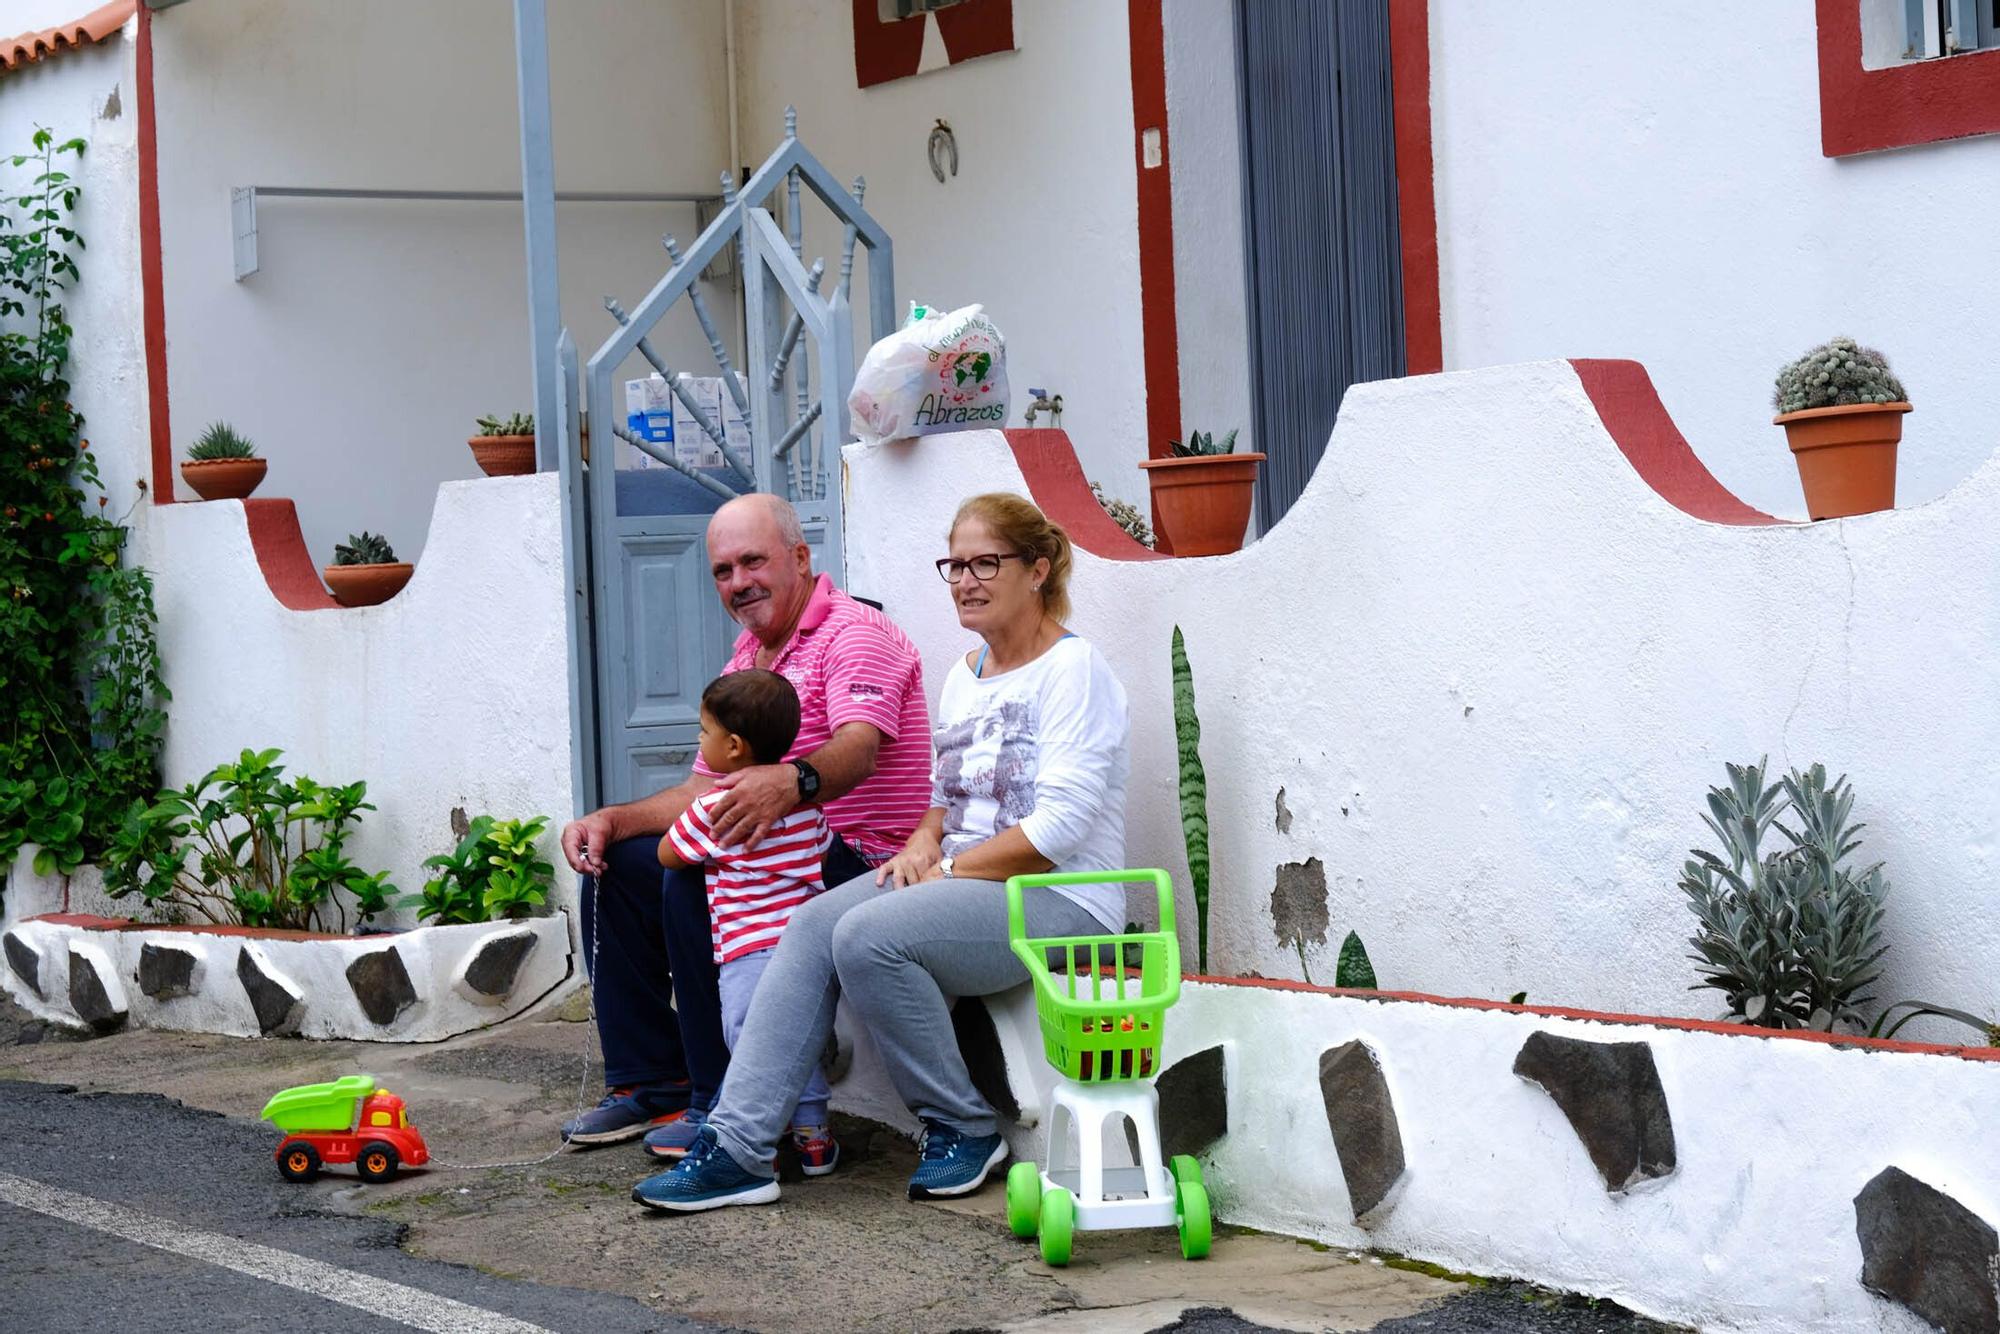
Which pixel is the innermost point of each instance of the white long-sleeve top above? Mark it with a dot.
(1047, 747)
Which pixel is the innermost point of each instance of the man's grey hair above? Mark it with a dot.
(789, 526)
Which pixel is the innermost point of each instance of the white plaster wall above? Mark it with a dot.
(1495, 684)
(1647, 182)
(377, 330)
(1041, 223)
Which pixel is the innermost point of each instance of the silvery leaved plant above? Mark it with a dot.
(1837, 374)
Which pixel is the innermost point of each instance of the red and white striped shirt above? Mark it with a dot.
(752, 892)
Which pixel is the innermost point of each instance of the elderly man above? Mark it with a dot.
(863, 754)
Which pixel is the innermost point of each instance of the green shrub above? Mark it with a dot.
(221, 441)
(364, 549)
(493, 873)
(1837, 374)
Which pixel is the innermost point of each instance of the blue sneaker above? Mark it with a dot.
(954, 1163)
(706, 1178)
(626, 1113)
(672, 1140)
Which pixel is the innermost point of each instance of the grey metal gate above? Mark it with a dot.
(656, 629)
(1323, 254)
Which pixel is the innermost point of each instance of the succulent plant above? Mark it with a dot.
(220, 441)
(1202, 443)
(1126, 515)
(521, 423)
(364, 549)
(1837, 374)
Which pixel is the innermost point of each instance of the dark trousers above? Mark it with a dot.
(653, 980)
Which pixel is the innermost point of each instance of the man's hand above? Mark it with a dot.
(585, 841)
(753, 800)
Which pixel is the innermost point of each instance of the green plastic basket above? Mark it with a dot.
(319, 1106)
(1102, 1012)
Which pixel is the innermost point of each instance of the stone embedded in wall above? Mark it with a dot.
(94, 1001)
(1362, 1118)
(1612, 1095)
(1194, 1102)
(26, 961)
(382, 984)
(490, 970)
(979, 1044)
(1924, 1249)
(166, 972)
(278, 1007)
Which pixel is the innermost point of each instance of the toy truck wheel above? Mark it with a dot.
(377, 1161)
(1191, 1219)
(1024, 1198)
(1058, 1226)
(1184, 1168)
(298, 1161)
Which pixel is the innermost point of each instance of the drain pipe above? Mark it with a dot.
(735, 155)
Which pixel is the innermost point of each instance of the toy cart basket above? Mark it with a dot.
(1102, 1000)
(319, 1106)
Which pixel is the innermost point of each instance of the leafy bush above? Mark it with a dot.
(1837, 374)
(1204, 443)
(221, 441)
(521, 423)
(266, 852)
(1126, 515)
(364, 549)
(492, 874)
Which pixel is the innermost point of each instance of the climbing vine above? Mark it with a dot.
(82, 722)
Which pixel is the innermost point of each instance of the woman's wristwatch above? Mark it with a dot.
(944, 866)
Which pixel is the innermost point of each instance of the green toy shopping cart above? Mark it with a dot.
(1102, 1002)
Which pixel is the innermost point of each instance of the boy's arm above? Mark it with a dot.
(688, 841)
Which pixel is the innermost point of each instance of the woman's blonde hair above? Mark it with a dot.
(1016, 521)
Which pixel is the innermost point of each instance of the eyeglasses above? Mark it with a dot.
(983, 567)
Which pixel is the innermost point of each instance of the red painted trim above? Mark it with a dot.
(91, 922)
(152, 273)
(1630, 408)
(1922, 102)
(1602, 1017)
(1159, 323)
(1416, 187)
(975, 28)
(1056, 481)
(281, 554)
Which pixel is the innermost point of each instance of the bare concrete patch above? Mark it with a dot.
(1298, 904)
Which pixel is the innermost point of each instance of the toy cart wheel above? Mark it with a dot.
(298, 1161)
(1191, 1219)
(1184, 1169)
(1058, 1225)
(377, 1161)
(1024, 1198)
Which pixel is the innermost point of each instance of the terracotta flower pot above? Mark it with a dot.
(504, 455)
(1201, 505)
(366, 585)
(223, 479)
(1846, 456)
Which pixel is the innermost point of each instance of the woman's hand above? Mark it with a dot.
(916, 863)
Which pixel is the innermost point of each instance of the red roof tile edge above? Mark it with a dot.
(95, 26)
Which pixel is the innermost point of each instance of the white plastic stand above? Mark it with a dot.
(1108, 1197)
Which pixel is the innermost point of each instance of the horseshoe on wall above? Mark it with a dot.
(943, 147)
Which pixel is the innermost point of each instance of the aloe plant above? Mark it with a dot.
(1194, 793)
(1201, 443)
(364, 549)
(220, 441)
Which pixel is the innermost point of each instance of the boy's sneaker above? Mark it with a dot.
(819, 1151)
(626, 1113)
(706, 1178)
(954, 1163)
(672, 1140)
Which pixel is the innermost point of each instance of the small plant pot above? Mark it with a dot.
(504, 455)
(1201, 505)
(223, 479)
(366, 585)
(1846, 456)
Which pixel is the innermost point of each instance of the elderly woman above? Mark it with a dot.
(1032, 757)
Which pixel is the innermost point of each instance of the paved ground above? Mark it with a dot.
(97, 1176)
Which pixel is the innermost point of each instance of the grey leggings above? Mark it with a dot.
(896, 954)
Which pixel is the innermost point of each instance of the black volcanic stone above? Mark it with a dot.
(1362, 1119)
(88, 996)
(1194, 1103)
(1924, 1249)
(493, 970)
(979, 1044)
(272, 1000)
(382, 984)
(165, 972)
(26, 963)
(1611, 1093)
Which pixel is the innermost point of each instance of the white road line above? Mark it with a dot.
(364, 1292)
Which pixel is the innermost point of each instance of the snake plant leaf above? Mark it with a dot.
(1194, 792)
(1353, 969)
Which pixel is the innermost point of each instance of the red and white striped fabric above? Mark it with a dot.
(752, 892)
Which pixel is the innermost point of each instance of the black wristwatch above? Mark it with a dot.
(808, 780)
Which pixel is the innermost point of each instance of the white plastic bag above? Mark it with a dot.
(939, 372)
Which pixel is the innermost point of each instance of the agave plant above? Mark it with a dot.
(364, 549)
(1201, 443)
(521, 423)
(221, 441)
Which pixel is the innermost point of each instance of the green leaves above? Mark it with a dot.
(520, 423)
(364, 549)
(1353, 969)
(1202, 443)
(493, 873)
(1194, 792)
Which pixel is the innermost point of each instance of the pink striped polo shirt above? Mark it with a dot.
(751, 894)
(850, 664)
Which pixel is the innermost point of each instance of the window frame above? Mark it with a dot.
(1914, 102)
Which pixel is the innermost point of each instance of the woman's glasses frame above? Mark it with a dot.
(985, 568)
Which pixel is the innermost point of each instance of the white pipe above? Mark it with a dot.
(735, 152)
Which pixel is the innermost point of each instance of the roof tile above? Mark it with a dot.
(95, 26)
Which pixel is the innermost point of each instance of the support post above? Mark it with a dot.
(538, 208)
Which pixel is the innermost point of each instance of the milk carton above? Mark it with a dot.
(736, 426)
(692, 445)
(649, 415)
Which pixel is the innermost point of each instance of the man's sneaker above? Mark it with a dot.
(819, 1151)
(626, 1113)
(676, 1137)
(706, 1178)
(954, 1163)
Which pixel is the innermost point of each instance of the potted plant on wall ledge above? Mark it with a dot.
(1842, 410)
(365, 571)
(505, 446)
(1201, 495)
(222, 465)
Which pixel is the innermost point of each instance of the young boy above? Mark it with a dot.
(752, 717)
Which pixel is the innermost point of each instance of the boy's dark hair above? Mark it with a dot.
(759, 706)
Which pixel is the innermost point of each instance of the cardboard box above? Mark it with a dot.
(692, 445)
